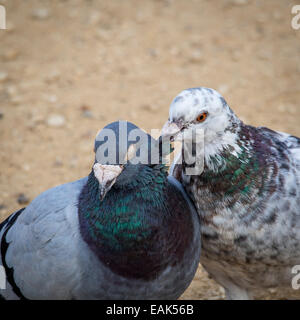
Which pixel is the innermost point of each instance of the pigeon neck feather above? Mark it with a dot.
(120, 226)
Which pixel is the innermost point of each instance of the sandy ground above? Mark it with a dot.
(67, 68)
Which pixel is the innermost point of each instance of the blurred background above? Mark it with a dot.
(68, 68)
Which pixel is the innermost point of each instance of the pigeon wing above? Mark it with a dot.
(41, 244)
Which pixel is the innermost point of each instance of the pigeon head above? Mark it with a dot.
(202, 109)
(119, 146)
(122, 141)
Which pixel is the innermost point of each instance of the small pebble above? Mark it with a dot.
(148, 107)
(94, 18)
(2, 206)
(196, 56)
(22, 199)
(26, 167)
(53, 76)
(87, 114)
(239, 2)
(3, 76)
(40, 13)
(56, 120)
(153, 52)
(11, 90)
(51, 98)
(58, 162)
(37, 119)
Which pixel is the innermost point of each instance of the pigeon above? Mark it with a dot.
(123, 232)
(247, 194)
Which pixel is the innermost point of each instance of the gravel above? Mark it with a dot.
(22, 199)
(56, 120)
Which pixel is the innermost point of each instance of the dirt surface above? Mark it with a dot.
(67, 68)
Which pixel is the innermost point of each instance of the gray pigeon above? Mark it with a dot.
(247, 195)
(124, 232)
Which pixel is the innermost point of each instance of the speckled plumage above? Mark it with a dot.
(69, 244)
(248, 197)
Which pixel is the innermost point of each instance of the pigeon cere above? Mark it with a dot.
(150, 155)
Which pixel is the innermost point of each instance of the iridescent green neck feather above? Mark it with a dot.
(238, 176)
(130, 227)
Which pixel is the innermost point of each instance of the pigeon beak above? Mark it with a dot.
(103, 192)
(106, 176)
(170, 130)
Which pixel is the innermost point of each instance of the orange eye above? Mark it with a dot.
(201, 117)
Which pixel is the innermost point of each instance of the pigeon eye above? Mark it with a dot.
(202, 116)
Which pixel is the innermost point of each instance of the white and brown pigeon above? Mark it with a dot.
(116, 234)
(247, 195)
